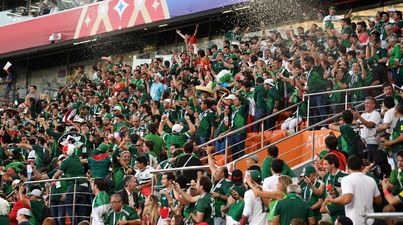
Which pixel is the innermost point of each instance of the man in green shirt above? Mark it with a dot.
(312, 190)
(396, 176)
(238, 118)
(206, 122)
(332, 180)
(293, 207)
(72, 167)
(349, 133)
(121, 213)
(266, 167)
(316, 83)
(156, 139)
(260, 97)
(396, 142)
(204, 206)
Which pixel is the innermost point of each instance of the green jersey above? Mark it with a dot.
(308, 196)
(205, 205)
(334, 182)
(397, 131)
(207, 121)
(222, 187)
(292, 207)
(126, 213)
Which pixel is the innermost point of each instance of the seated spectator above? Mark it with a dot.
(121, 213)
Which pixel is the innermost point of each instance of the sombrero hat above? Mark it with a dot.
(208, 88)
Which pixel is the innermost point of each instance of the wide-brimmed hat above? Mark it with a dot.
(208, 88)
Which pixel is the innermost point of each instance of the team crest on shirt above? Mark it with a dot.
(401, 194)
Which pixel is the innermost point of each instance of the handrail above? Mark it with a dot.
(343, 90)
(51, 180)
(249, 125)
(385, 215)
(180, 168)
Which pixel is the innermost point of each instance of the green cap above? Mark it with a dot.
(308, 170)
(102, 148)
(371, 60)
(107, 116)
(255, 175)
(332, 8)
(240, 189)
(323, 154)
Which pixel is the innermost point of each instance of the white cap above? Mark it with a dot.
(23, 211)
(167, 100)
(372, 19)
(117, 108)
(62, 156)
(177, 128)
(392, 10)
(36, 192)
(230, 97)
(16, 182)
(269, 82)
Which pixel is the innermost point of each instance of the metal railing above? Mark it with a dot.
(346, 97)
(397, 216)
(74, 204)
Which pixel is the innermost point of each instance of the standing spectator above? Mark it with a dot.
(293, 207)
(151, 210)
(396, 142)
(156, 139)
(312, 190)
(349, 133)
(266, 167)
(206, 123)
(53, 7)
(316, 83)
(100, 204)
(254, 210)
(143, 175)
(331, 143)
(332, 181)
(23, 216)
(370, 120)
(389, 120)
(189, 159)
(358, 201)
(157, 88)
(238, 118)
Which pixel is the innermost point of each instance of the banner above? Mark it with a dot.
(98, 18)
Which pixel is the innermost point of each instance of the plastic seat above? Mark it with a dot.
(219, 160)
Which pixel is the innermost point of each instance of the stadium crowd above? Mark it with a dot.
(117, 124)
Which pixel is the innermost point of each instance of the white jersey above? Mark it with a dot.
(254, 209)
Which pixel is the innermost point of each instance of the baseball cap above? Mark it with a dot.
(35, 192)
(308, 170)
(254, 157)
(177, 128)
(16, 182)
(61, 157)
(241, 190)
(269, 82)
(372, 19)
(255, 175)
(24, 211)
(230, 97)
(102, 148)
(117, 108)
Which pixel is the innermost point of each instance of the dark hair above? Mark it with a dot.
(389, 102)
(170, 176)
(363, 24)
(188, 147)
(206, 183)
(343, 220)
(297, 221)
(309, 60)
(347, 116)
(398, 14)
(277, 165)
(225, 171)
(142, 159)
(354, 162)
(331, 142)
(101, 184)
(332, 160)
(399, 108)
(400, 153)
(152, 128)
(352, 53)
(273, 151)
(126, 180)
(178, 220)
